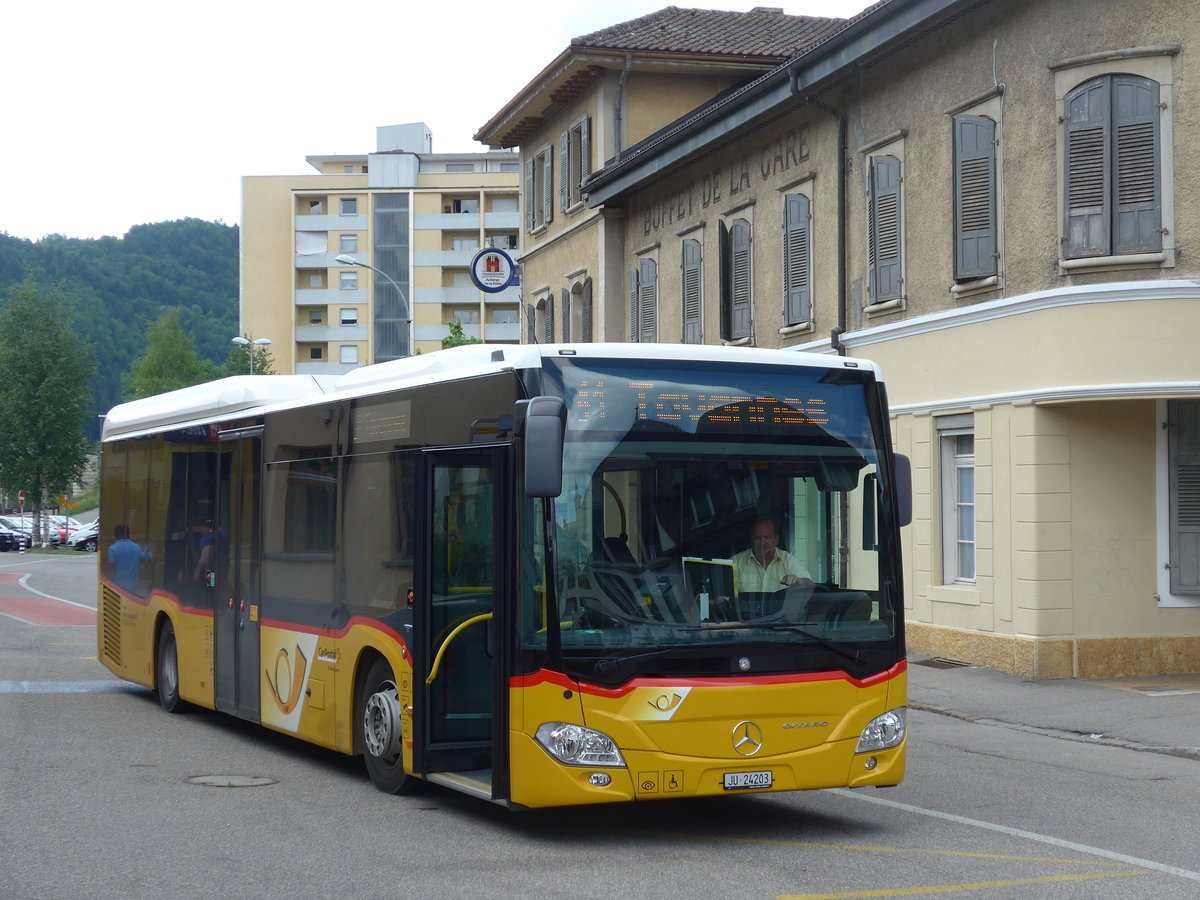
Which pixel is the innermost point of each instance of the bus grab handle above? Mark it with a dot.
(437, 660)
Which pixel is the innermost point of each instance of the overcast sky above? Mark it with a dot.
(130, 111)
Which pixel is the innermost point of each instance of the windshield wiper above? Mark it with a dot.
(854, 657)
(609, 663)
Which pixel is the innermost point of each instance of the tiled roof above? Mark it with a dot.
(763, 32)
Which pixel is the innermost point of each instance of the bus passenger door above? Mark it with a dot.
(235, 575)
(459, 620)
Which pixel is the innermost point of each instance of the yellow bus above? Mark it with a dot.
(541, 575)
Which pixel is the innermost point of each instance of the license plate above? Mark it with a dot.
(741, 781)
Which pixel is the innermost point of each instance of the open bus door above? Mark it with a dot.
(461, 622)
(233, 573)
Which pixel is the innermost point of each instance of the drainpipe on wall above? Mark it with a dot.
(618, 119)
(835, 334)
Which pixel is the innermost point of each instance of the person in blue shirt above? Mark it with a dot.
(126, 558)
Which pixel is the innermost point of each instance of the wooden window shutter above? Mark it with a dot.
(530, 324)
(797, 260)
(974, 197)
(586, 317)
(549, 318)
(548, 183)
(635, 322)
(585, 147)
(1087, 167)
(691, 292)
(740, 279)
(883, 240)
(1183, 428)
(1137, 206)
(566, 316)
(531, 199)
(648, 300)
(564, 170)
(725, 266)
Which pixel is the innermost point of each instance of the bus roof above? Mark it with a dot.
(251, 394)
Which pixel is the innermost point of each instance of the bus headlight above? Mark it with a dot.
(579, 746)
(882, 732)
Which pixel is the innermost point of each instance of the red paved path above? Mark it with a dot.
(44, 611)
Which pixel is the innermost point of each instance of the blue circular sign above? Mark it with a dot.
(492, 270)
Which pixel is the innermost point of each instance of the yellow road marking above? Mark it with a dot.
(958, 888)
(867, 848)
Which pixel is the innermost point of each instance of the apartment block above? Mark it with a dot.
(369, 260)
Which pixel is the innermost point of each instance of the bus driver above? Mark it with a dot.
(764, 567)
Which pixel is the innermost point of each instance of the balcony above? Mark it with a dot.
(331, 296)
(321, 334)
(332, 223)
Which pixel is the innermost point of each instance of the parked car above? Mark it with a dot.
(86, 538)
(24, 524)
(12, 540)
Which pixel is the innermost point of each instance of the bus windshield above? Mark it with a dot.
(709, 509)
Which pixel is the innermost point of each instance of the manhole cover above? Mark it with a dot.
(230, 780)
(939, 663)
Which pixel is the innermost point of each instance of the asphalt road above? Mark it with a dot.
(104, 795)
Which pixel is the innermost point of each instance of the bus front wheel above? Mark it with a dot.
(166, 669)
(380, 730)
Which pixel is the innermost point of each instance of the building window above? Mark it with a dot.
(348, 206)
(1112, 193)
(1183, 448)
(797, 260)
(693, 283)
(315, 317)
(465, 244)
(465, 205)
(736, 280)
(347, 170)
(348, 281)
(348, 243)
(575, 161)
(467, 316)
(316, 279)
(975, 253)
(884, 257)
(349, 316)
(504, 316)
(643, 302)
(956, 436)
(315, 353)
(510, 167)
(539, 189)
(348, 353)
(460, 167)
(541, 320)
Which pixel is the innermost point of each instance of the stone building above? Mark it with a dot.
(982, 196)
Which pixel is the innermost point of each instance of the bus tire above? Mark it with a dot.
(166, 669)
(380, 730)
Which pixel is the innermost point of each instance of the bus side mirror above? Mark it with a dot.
(903, 489)
(545, 429)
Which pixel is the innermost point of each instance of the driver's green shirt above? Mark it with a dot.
(752, 576)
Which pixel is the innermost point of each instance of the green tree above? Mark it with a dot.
(170, 361)
(46, 373)
(456, 338)
(238, 361)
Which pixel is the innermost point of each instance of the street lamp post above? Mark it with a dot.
(347, 260)
(251, 344)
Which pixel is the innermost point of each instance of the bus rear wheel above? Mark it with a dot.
(166, 669)
(381, 732)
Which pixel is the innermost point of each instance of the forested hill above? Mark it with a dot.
(116, 286)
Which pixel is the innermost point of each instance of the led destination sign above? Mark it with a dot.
(694, 410)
